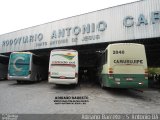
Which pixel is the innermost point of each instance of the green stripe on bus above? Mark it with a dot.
(119, 81)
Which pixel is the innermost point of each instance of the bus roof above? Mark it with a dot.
(71, 50)
(124, 44)
(116, 44)
(23, 52)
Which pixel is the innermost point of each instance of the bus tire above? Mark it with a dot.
(19, 82)
(40, 77)
(36, 77)
(101, 83)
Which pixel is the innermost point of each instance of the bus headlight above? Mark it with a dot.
(140, 83)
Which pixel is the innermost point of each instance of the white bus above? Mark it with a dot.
(124, 65)
(3, 66)
(26, 66)
(63, 66)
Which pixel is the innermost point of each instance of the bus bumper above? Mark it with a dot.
(22, 78)
(63, 81)
(119, 81)
(114, 84)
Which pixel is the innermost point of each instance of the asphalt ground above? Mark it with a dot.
(86, 98)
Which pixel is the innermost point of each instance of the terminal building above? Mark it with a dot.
(90, 33)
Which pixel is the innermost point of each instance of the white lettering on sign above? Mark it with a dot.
(88, 28)
(130, 21)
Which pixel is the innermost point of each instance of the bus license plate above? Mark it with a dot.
(62, 77)
(129, 79)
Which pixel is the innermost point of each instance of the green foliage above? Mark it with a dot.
(154, 70)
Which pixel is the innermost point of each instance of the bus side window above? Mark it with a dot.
(106, 53)
(4, 61)
(36, 60)
(103, 59)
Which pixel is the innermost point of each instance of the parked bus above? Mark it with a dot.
(26, 66)
(63, 66)
(3, 66)
(124, 65)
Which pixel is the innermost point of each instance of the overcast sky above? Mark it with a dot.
(19, 14)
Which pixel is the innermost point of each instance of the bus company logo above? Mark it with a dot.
(68, 56)
(63, 62)
(128, 62)
(15, 65)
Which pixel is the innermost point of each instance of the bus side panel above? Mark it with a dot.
(3, 71)
(33, 71)
(39, 72)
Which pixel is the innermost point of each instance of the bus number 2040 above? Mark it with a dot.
(118, 52)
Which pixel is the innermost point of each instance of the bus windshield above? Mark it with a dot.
(19, 64)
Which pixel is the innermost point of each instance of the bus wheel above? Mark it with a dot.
(36, 77)
(102, 85)
(19, 82)
(40, 77)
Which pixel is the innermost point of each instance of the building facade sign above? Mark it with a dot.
(129, 21)
(140, 20)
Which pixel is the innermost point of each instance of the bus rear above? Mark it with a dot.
(63, 67)
(127, 66)
(19, 66)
